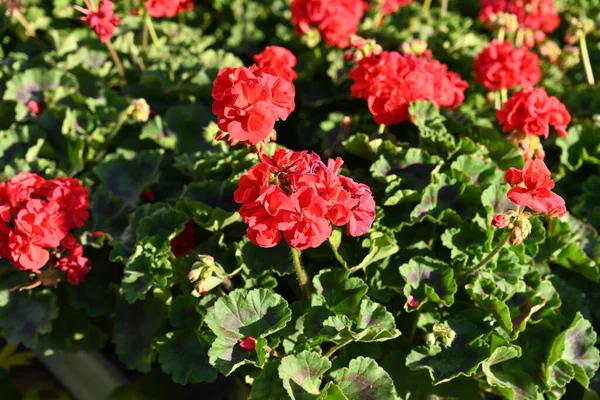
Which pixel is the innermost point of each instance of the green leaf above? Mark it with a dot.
(242, 314)
(381, 246)
(184, 356)
(149, 266)
(434, 136)
(341, 293)
(582, 144)
(260, 261)
(164, 223)
(302, 374)
(25, 315)
(575, 346)
(428, 279)
(199, 198)
(364, 379)
(135, 331)
(267, 385)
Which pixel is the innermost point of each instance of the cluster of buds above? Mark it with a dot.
(258, 147)
(138, 110)
(550, 50)
(206, 274)
(530, 144)
(442, 334)
(361, 48)
(418, 47)
(569, 57)
(579, 28)
(517, 222)
(508, 21)
(311, 38)
(12, 6)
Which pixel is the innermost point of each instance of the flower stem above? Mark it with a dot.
(585, 57)
(444, 7)
(150, 25)
(501, 34)
(381, 129)
(336, 348)
(337, 254)
(426, 5)
(519, 38)
(115, 58)
(145, 38)
(503, 96)
(477, 268)
(301, 273)
(19, 17)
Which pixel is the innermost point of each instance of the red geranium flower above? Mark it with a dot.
(532, 112)
(185, 241)
(391, 6)
(103, 21)
(532, 187)
(248, 102)
(296, 194)
(162, 8)
(500, 66)
(336, 20)
(277, 61)
(34, 107)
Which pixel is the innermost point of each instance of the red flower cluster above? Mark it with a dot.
(277, 61)
(336, 20)
(37, 215)
(248, 102)
(299, 195)
(34, 107)
(532, 112)
(168, 8)
(391, 81)
(103, 21)
(185, 241)
(391, 6)
(532, 187)
(500, 66)
(537, 15)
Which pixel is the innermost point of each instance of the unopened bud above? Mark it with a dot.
(500, 220)
(139, 110)
(248, 343)
(232, 141)
(194, 275)
(444, 333)
(221, 136)
(550, 50)
(569, 57)
(430, 339)
(515, 237)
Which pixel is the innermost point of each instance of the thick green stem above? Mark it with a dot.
(519, 38)
(19, 17)
(301, 273)
(476, 269)
(337, 254)
(501, 34)
(426, 5)
(381, 129)
(585, 57)
(150, 25)
(336, 348)
(503, 96)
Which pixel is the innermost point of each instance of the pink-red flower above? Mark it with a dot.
(34, 107)
(501, 66)
(391, 6)
(168, 8)
(336, 20)
(248, 102)
(538, 16)
(296, 196)
(391, 81)
(532, 187)
(103, 20)
(36, 216)
(185, 241)
(248, 343)
(500, 220)
(532, 112)
(277, 61)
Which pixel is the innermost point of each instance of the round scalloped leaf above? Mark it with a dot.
(184, 356)
(364, 379)
(24, 315)
(261, 261)
(575, 346)
(341, 293)
(302, 374)
(241, 314)
(428, 279)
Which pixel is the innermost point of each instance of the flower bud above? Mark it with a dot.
(430, 339)
(34, 107)
(500, 220)
(415, 46)
(194, 275)
(515, 236)
(311, 38)
(444, 333)
(248, 343)
(221, 136)
(412, 302)
(569, 58)
(550, 50)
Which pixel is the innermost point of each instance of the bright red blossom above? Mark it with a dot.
(34, 107)
(532, 187)
(539, 16)
(248, 102)
(532, 112)
(168, 8)
(277, 61)
(248, 343)
(36, 216)
(500, 66)
(391, 6)
(296, 196)
(336, 20)
(391, 81)
(102, 21)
